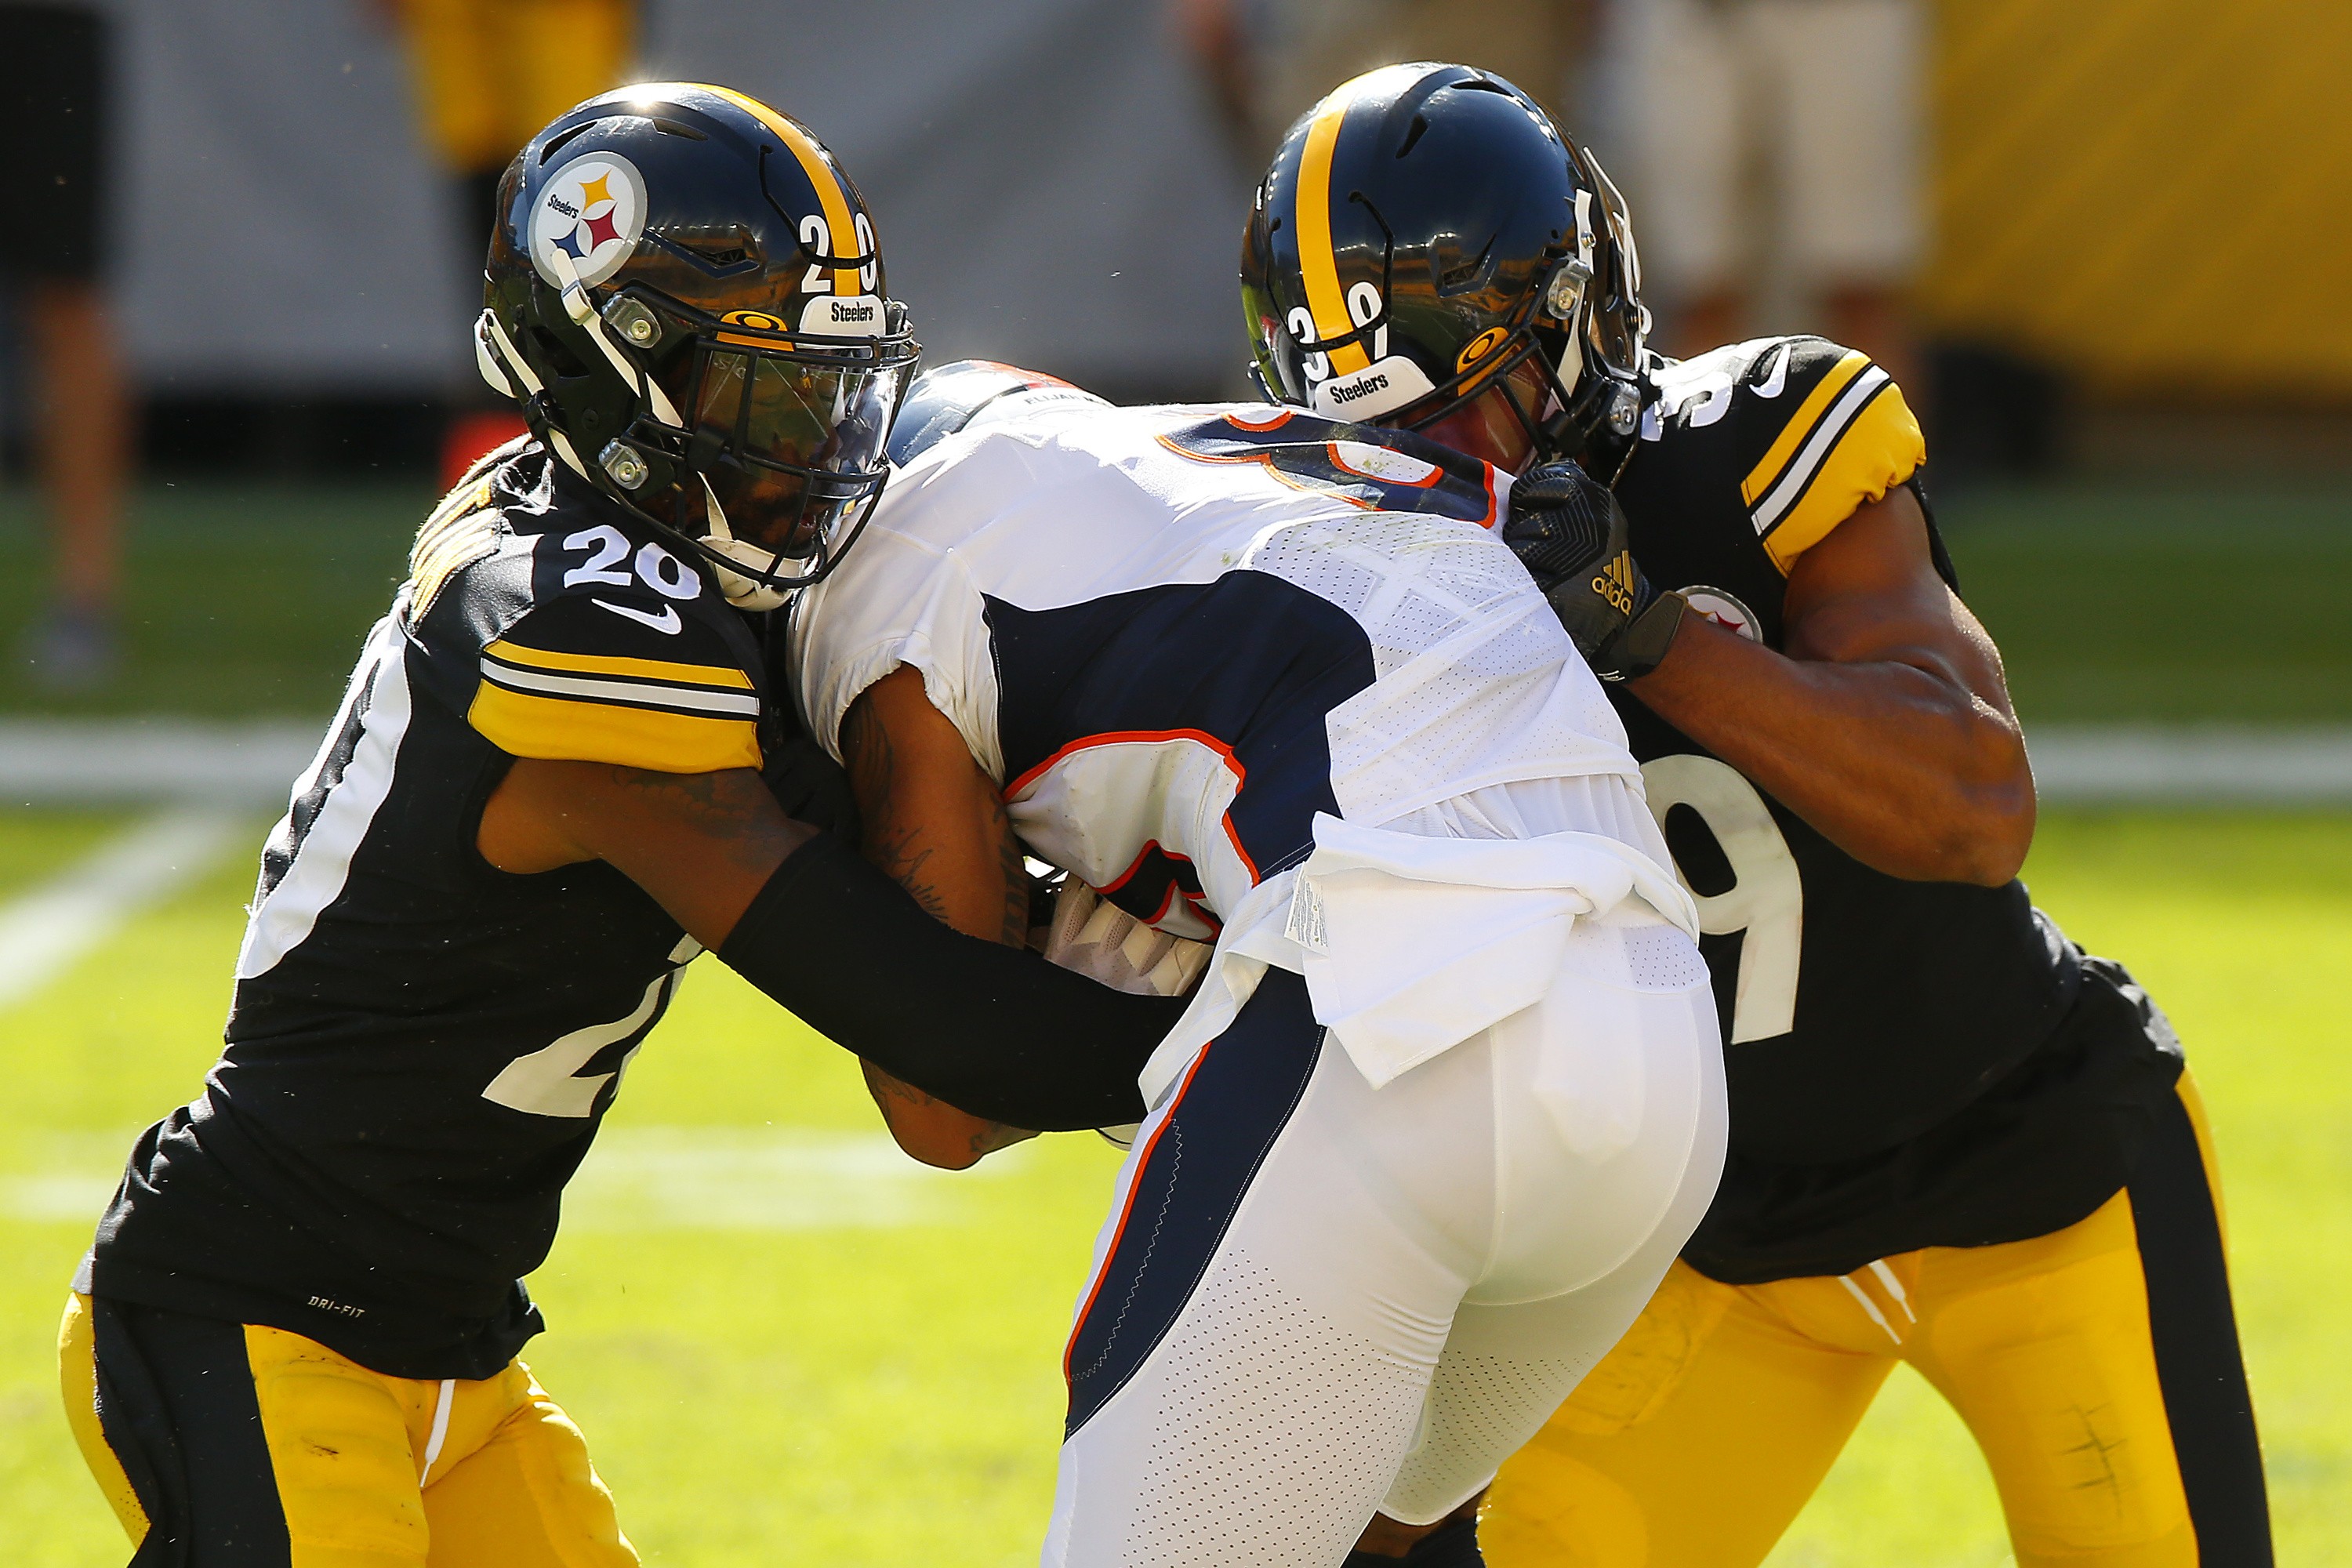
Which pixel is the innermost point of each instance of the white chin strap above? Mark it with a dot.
(502, 365)
(743, 593)
(582, 311)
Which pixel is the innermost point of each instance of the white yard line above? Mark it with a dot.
(46, 930)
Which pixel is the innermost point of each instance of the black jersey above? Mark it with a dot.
(421, 1047)
(1861, 1013)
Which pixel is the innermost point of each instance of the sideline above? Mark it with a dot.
(82, 761)
(2191, 764)
(89, 762)
(43, 932)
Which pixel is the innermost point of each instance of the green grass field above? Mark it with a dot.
(788, 1345)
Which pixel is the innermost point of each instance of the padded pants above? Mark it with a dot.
(1314, 1300)
(231, 1445)
(2097, 1368)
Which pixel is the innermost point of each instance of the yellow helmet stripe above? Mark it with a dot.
(1318, 262)
(831, 193)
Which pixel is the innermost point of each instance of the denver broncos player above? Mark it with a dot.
(1956, 1140)
(1447, 1099)
(295, 1339)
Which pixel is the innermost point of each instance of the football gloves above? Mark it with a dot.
(1569, 532)
(1102, 942)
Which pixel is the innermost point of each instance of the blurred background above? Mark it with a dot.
(2102, 243)
(2106, 244)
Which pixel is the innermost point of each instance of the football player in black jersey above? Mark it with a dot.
(295, 1339)
(1957, 1139)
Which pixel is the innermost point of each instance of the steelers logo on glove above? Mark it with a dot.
(1569, 532)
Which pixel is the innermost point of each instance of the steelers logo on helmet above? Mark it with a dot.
(590, 213)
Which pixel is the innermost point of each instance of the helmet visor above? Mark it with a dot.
(780, 411)
(803, 433)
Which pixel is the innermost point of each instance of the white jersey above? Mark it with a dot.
(1266, 680)
(1174, 635)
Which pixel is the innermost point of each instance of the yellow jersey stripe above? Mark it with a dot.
(1827, 432)
(831, 193)
(1318, 263)
(608, 664)
(1880, 448)
(525, 724)
(1759, 477)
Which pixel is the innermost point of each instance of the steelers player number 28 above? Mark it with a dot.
(1765, 900)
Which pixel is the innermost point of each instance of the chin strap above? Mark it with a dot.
(582, 311)
(743, 593)
(493, 349)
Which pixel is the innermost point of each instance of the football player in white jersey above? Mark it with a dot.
(1449, 1097)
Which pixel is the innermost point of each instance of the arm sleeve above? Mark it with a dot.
(994, 1031)
(618, 679)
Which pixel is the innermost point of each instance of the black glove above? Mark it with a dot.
(1571, 535)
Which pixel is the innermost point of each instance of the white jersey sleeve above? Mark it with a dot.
(898, 599)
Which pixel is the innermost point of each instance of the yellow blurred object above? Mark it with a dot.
(2154, 194)
(491, 72)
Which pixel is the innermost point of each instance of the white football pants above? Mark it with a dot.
(1314, 1300)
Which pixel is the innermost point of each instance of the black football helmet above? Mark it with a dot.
(684, 294)
(970, 392)
(1424, 231)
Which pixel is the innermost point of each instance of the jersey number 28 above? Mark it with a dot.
(1765, 900)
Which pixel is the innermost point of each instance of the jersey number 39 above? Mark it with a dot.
(1765, 899)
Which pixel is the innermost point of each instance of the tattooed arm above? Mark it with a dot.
(701, 844)
(935, 821)
(704, 844)
(807, 920)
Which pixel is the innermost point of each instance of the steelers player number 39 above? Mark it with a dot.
(1765, 900)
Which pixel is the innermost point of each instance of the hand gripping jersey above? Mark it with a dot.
(421, 1047)
(1865, 1017)
(1177, 634)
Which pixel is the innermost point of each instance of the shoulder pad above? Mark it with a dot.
(1807, 431)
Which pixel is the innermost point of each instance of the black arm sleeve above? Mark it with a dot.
(993, 1030)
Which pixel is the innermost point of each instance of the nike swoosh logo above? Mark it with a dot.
(667, 622)
(1773, 384)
